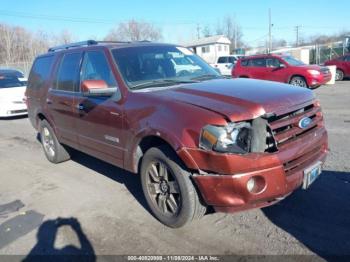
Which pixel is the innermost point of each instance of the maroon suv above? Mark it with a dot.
(279, 68)
(196, 139)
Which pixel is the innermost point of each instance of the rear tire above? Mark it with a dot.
(168, 188)
(339, 75)
(298, 81)
(54, 151)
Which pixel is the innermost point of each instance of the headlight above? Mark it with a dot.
(233, 138)
(314, 72)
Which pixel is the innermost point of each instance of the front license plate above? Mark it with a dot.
(311, 174)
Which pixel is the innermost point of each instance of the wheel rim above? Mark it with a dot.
(298, 82)
(48, 142)
(163, 189)
(338, 75)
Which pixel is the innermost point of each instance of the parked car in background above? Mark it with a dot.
(12, 99)
(14, 73)
(225, 64)
(196, 139)
(280, 68)
(343, 66)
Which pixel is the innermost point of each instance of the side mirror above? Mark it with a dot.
(97, 88)
(282, 66)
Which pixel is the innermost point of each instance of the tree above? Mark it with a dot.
(134, 31)
(230, 28)
(206, 31)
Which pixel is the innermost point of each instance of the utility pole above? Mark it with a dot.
(297, 35)
(270, 31)
(198, 33)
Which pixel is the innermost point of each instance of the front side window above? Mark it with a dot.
(147, 66)
(95, 67)
(68, 72)
(272, 62)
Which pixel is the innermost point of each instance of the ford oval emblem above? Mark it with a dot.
(305, 122)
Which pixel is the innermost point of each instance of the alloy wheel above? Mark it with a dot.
(48, 142)
(163, 189)
(298, 82)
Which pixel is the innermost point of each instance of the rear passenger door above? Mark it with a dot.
(60, 99)
(257, 68)
(99, 119)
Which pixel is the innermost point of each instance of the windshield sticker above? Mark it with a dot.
(184, 50)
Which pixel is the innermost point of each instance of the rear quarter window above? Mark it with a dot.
(40, 72)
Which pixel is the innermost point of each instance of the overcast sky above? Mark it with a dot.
(178, 19)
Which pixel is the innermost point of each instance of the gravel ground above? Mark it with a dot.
(86, 204)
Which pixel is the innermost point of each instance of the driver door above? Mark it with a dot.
(276, 70)
(99, 119)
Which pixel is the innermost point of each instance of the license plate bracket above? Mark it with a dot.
(311, 174)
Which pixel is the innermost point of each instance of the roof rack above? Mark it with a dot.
(88, 43)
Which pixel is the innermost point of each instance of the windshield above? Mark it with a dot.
(7, 82)
(150, 66)
(292, 61)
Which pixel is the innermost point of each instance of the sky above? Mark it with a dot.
(178, 19)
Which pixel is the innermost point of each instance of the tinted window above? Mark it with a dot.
(40, 72)
(272, 62)
(259, 62)
(232, 59)
(347, 58)
(68, 73)
(7, 82)
(222, 60)
(96, 67)
(244, 62)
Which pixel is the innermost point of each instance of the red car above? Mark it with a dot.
(343, 66)
(197, 140)
(285, 69)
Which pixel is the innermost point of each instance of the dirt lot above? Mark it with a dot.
(103, 208)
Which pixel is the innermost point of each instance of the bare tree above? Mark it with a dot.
(134, 31)
(229, 27)
(207, 31)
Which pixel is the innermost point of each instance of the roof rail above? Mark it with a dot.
(90, 42)
(77, 44)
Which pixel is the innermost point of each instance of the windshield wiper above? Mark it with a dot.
(206, 77)
(162, 82)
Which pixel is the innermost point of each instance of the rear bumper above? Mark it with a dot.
(225, 185)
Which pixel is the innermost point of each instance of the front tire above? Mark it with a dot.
(168, 188)
(339, 75)
(54, 151)
(298, 81)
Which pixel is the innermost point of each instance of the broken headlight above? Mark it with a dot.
(232, 138)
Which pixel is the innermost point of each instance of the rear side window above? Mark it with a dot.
(40, 72)
(68, 72)
(222, 60)
(244, 62)
(259, 62)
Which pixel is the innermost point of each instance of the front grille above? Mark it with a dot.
(301, 162)
(285, 128)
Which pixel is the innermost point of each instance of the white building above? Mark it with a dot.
(210, 48)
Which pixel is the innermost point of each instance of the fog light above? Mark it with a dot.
(256, 184)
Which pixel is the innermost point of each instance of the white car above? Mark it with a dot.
(225, 64)
(12, 98)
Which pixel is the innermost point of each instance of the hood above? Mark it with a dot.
(11, 94)
(241, 99)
